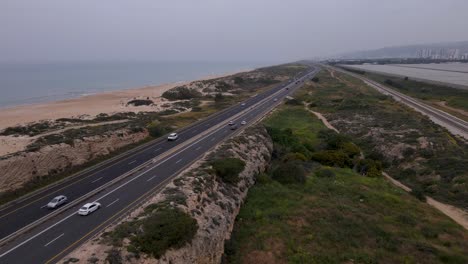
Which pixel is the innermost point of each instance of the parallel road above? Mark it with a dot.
(452, 123)
(53, 239)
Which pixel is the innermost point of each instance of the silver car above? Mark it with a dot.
(57, 201)
(172, 137)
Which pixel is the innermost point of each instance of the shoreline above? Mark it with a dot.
(108, 102)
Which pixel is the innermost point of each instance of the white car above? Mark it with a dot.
(231, 123)
(57, 201)
(243, 123)
(276, 99)
(243, 104)
(172, 136)
(89, 208)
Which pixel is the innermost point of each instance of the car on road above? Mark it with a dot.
(172, 136)
(89, 208)
(243, 104)
(231, 123)
(243, 122)
(234, 127)
(57, 201)
(276, 99)
(287, 88)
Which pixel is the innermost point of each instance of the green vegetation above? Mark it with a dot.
(300, 139)
(431, 93)
(342, 218)
(164, 229)
(159, 228)
(334, 215)
(228, 169)
(407, 144)
(181, 93)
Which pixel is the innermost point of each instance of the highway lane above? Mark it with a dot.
(20, 214)
(115, 202)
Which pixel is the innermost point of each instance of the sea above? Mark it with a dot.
(29, 83)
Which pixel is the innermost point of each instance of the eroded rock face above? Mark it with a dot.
(213, 203)
(24, 167)
(216, 204)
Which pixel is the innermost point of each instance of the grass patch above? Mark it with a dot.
(339, 219)
(397, 136)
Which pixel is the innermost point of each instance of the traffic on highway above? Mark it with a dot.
(47, 225)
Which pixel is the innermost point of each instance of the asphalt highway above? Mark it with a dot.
(52, 239)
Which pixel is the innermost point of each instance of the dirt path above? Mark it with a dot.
(456, 214)
(324, 120)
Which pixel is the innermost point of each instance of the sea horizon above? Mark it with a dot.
(26, 83)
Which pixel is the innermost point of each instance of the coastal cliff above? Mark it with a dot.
(25, 167)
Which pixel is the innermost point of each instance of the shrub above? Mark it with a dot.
(181, 93)
(165, 229)
(228, 169)
(156, 130)
(418, 193)
(369, 167)
(332, 158)
(289, 173)
(288, 141)
(294, 156)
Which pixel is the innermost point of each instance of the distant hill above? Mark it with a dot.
(411, 51)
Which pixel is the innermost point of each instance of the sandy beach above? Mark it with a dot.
(90, 105)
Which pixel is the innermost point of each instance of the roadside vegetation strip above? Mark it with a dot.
(324, 214)
(413, 149)
(452, 100)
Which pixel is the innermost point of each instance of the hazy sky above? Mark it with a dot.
(221, 30)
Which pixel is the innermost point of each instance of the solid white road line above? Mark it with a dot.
(96, 180)
(116, 200)
(151, 178)
(54, 240)
(198, 148)
(43, 206)
(157, 149)
(212, 139)
(131, 162)
(178, 161)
